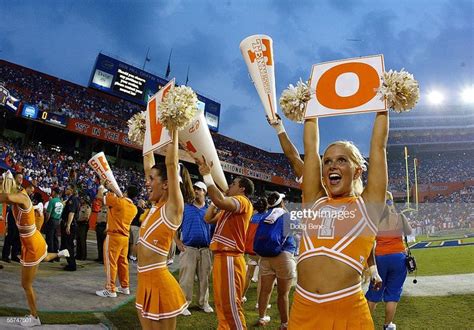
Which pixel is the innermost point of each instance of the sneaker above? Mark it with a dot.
(63, 253)
(390, 326)
(283, 326)
(186, 312)
(30, 321)
(106, 294)
(123, 290)
(263, 321)
(244, 300)
(207, 309)
(268, 306)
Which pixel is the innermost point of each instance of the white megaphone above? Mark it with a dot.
(101, 166)
(257, 51)
(197, 140)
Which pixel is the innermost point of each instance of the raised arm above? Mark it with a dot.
(217, 197)
(312, 185)
(289, 149)
(377, 179)
(175, 204)
(19, 199)
(148, 163)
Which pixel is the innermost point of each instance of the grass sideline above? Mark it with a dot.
(451, 312)
(445, 260)
(447, 312)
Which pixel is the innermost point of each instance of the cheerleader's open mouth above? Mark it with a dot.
(334, 178)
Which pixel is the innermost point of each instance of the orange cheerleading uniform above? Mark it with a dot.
(120, 216)
(228, 245)
(339, 229)
(33, 245)
(159, 295)
(39, 218)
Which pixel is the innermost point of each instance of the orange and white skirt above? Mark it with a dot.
(341, 310)
(159, 295)
(33, 249)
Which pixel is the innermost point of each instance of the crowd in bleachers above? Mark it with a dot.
(76, 101)
(47, 168)
(65, 98)
(432, 167)
(252, 157)
(432, 137)
(444, 213)
(458, 119)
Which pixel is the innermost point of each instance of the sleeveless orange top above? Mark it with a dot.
(25, 219)
(339, 229)
(156, 234)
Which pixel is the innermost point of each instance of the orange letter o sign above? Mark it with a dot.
(369, 81)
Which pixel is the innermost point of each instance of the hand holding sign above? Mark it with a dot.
(100, 165)
(156, 136)
(346, 87)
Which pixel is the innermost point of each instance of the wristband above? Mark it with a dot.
(208, 181)
(373, 270)
(279, 128)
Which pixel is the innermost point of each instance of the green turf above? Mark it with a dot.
(445, 236)
(467, 240)
(448, 312)
(445, 260)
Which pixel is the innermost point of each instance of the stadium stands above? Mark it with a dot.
(428, 133)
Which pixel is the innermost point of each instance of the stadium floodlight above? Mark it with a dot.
(435, 97)
(467, 94)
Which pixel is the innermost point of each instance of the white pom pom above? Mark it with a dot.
(293, 101)
(400, 89)
(137, 128)
(178, 108)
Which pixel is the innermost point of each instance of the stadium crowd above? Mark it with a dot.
(65, 98)
(431, 137)
(444, 213)
(73, 101)
(48, 169)
(432, 167)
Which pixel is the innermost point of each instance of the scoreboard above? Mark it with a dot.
(130, 83)
(32, 112)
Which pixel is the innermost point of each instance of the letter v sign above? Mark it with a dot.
(156, 136)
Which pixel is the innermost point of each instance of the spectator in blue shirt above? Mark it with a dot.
(194, 246)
